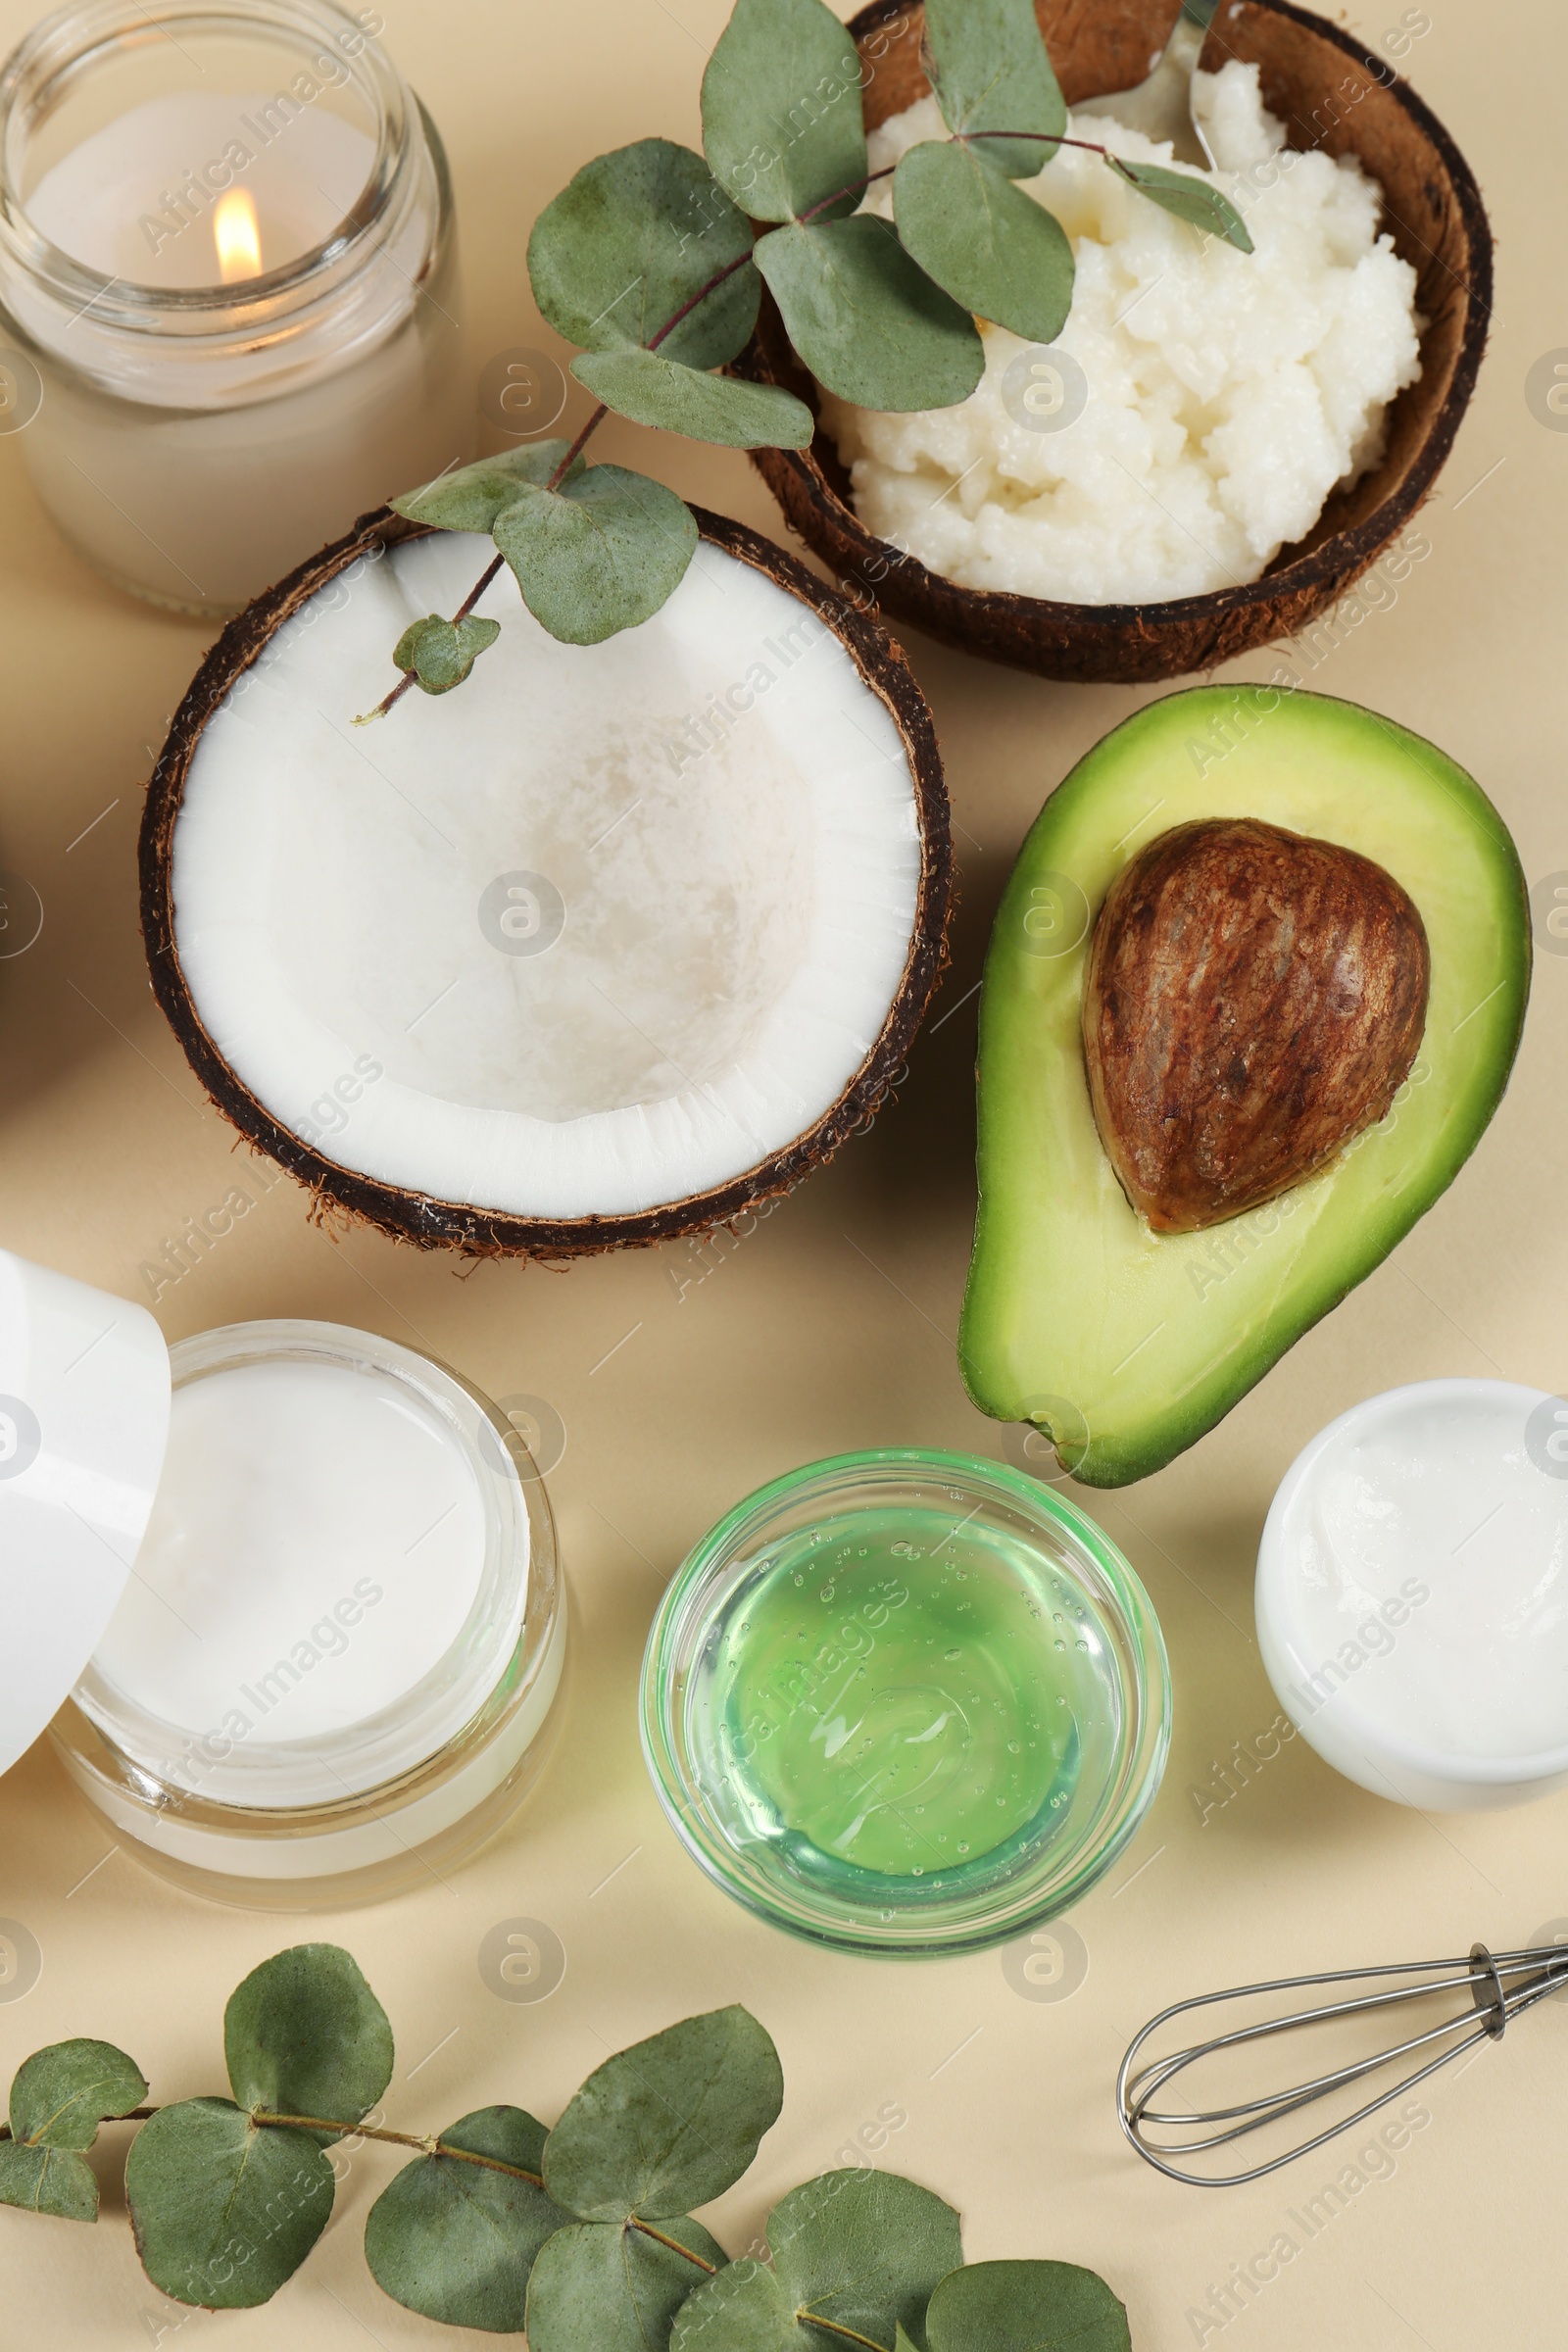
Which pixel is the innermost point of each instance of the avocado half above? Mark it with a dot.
(1125, 1346)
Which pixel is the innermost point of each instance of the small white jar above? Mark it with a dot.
(324, 1668)
(1413, 1594)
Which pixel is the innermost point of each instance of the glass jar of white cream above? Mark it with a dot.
(326, 1671)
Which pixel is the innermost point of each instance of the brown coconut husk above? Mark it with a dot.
(430, 1223)
(1329, 92)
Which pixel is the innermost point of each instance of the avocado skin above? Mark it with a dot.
(1126, 1346)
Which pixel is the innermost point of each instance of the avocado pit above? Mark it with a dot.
(1253, 1000)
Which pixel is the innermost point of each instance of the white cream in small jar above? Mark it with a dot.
(1413, 1593)
(324, 1668)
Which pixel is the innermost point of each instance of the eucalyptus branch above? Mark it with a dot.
(410, 677)
(227, 2196)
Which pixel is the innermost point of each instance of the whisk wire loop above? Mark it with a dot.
(1492, 2001)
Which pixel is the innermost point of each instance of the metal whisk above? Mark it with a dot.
(1496, 1988)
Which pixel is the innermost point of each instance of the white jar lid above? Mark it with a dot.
(84, 1404)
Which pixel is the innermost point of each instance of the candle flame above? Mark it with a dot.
(238, 237)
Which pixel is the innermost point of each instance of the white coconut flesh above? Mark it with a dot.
(528, 946)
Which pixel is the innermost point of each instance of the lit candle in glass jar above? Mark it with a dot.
(228, 269)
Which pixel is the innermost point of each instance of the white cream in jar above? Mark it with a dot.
(317, 1540)
(300, 1582)
(1413, 1593)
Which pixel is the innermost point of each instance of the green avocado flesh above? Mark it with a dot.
(1122, 1345)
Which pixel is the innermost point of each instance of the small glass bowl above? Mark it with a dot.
(1013, 1550)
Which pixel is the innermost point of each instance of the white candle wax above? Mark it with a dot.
(315, 1550)
(230, 259)
(139, 199)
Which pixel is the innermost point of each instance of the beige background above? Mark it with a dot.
(832, 1327)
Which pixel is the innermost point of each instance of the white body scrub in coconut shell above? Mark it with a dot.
(601, 930)
(1228, 393)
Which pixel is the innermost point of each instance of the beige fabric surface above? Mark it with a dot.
(831, 1327)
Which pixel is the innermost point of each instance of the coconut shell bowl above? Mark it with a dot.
(1329, 92)
(765, 1147)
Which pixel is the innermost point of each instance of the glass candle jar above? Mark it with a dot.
(329, 1671)
(905, 1704)
(228, 287)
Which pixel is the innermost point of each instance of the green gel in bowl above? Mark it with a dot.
(906, 1702)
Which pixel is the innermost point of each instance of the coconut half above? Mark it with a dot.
(603, 947)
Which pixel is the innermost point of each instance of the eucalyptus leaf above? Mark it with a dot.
(991, 71)
(630, 242)
(903, 2340)
(745, 2309)
(442, 653)
(456, 2241)
(867, 321)
(45, 2179)
(305, 2036)
(62, 2094)
(782, 122)
(1189, 199)
(652, 390)
(223, 2210)
(602, 2287)
(471, 499)
(983, 240)
(669, 2124)
(599, 554)
(857, 2251)
(1026, 2307)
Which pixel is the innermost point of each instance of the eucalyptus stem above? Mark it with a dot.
(846, 2336)
(963, 139)
(132, 2115)
(674, 2246)
(856, 187)
(1037, 138)
(702, 294)
(431, 2143)
(428, 2142)
(579, 446)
